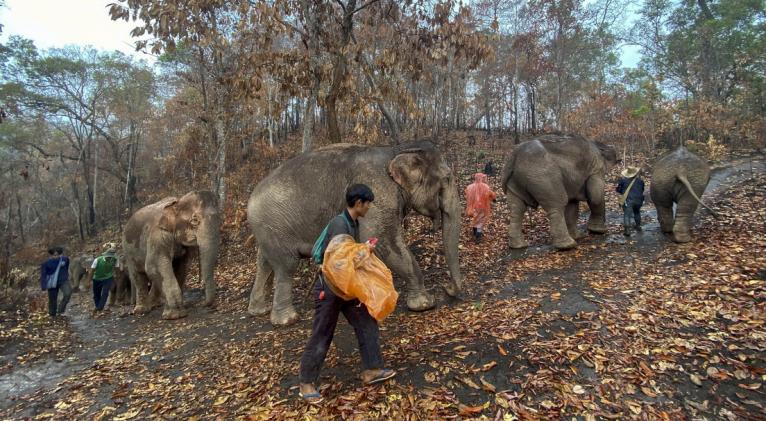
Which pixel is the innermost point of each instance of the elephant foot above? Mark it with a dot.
(577, 234)
(420, 301)
(681, 237)
(258, 308)
(597, 227)
(518, 243)
(208, 302)
(173, 313)
(565, 245)
(141, 309)
(285, 317)
(452, 289)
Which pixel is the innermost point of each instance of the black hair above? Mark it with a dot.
(56, 249)
(358, 192)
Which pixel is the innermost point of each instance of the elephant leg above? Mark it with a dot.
(400, 260)
(516, 236)
(181, 268)
(571, 214)
(132, 293)
(665, 218)
(87, 280)
(595, 191)
(263, 277)
(561, 238)
(684, 219)
(74, 278)
(171, 290)
(113, 291)
(155, 297)
(141, 287)
(283, 312)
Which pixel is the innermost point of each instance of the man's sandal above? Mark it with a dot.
(313, 398)
(384, 375)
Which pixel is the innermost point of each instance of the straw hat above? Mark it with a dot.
(630, 172)
(111, 248)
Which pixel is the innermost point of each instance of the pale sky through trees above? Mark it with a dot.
(56, 23)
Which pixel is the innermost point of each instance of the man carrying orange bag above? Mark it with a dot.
(353, 271)
(327, 307)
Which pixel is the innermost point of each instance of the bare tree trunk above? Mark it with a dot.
(20, 217)
(339, 72)
(313, 27)
(78, 210)
(95, 181)
(220, 186)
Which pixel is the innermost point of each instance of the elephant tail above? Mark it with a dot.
(508, 171)
(685, 182)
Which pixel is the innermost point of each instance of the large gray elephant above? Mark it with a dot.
(159, 241)
(79, 271)
(289, 208)
(678, 178)
(557, 172)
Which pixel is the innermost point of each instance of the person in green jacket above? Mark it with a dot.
(103, 276)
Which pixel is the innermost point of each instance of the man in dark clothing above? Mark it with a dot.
(54, 275)
(631, 189)
(328, 306)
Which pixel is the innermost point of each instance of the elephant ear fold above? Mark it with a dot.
(169, 216)
(407, 169)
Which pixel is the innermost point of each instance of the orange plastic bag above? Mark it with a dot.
(354, 272)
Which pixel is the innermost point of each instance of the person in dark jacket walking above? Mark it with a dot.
(631, 190)
(54, 275)
(328, 306)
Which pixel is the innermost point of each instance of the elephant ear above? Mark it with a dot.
(169, 217)
(408, 169)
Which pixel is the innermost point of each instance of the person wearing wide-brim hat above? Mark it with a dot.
(103, 276)
(631, 190)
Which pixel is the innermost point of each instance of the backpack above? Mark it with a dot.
(316, 252)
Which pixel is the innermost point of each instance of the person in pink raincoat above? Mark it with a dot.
(479, 197)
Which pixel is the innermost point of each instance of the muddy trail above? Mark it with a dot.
(619, 327)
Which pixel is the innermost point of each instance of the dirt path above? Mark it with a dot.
(518, 341)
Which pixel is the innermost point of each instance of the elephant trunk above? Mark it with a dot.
(209, 242)
(451, 236)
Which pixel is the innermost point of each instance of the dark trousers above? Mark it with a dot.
(101, 292)
(326, 313)
(631, 210)
(54, 306)
(53, 295)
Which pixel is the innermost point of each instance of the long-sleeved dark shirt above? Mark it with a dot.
(341, 224)
(636, 194)
(49, 268)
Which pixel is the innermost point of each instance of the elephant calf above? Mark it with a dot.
(121, 293)
(79, 271)
(679, 178)
(159, 241)
(557, 172)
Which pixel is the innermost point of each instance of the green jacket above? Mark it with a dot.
(104, 267)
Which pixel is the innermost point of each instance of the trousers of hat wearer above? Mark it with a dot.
(101, 292)
(631, 210)
(326, 312)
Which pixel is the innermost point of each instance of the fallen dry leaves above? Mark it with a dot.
(615, 329)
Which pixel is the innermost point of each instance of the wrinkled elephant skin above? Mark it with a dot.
(678, 178)
(159, 243)
(557, 172)
(289, 208)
